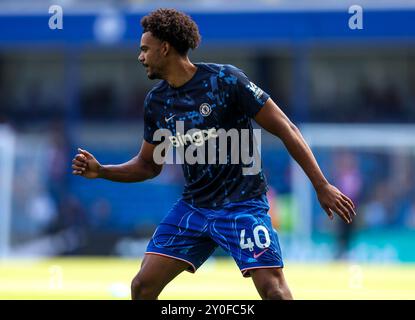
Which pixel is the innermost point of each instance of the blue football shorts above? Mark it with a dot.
(243, 229)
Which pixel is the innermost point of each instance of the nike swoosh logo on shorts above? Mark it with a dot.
(256, 256)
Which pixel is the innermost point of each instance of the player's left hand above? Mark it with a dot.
(333, 201)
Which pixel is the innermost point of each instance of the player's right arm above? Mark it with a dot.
(139, 168)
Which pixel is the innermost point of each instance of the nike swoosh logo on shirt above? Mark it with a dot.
(168, 119)
(259, 254)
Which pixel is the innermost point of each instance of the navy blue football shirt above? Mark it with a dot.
(216, 97)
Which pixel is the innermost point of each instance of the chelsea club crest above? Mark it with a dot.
(205, 109)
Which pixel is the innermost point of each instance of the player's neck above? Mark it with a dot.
(180, 72)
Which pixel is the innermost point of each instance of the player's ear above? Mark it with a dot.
(165, 48)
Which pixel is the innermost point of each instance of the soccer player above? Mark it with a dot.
(220, 205)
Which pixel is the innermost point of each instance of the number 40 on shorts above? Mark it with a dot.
(247, 242)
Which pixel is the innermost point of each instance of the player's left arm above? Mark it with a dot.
(273, 119)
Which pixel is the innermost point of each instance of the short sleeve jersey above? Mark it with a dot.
(217, 97)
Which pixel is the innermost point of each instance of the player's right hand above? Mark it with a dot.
(84, 164)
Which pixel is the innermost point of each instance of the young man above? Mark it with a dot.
(221, 205)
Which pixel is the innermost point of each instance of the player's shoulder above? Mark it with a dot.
(220, 69)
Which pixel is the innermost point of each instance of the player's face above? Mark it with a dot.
(150, 55)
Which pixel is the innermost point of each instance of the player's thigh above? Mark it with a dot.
(157, 271)
(249, 237)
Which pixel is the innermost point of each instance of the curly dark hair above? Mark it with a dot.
(175, 27)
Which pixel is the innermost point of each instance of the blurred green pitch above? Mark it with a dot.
(106, 278)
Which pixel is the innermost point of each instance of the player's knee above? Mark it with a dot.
(142, 289)
(276, 292)
(273, 290)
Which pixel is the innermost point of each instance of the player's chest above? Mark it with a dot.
(203, 110)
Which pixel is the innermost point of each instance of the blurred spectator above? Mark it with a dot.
(43, 212)
(377, 211)
(57, 155)
(73, 221)
(101, 215)
(348, 178)
(35, 211)
(410, 215)
(72, 214)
